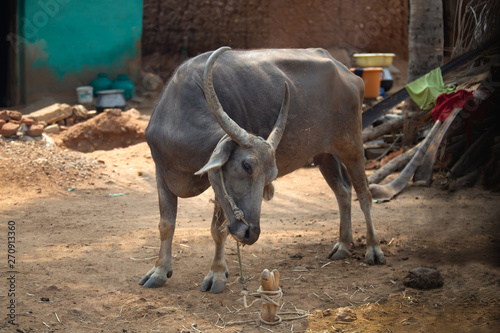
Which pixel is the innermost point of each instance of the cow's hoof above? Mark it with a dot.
(215, 282)
(374, 255)
(339, 251)
(153, 279)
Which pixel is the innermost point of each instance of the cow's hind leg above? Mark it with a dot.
(162, 270)
(335, 175)
(216, 279)
(356, 169)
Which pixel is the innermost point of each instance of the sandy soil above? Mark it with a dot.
(86, 232)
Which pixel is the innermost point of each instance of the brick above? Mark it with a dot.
(27, 121)
(14, 115)
(52, 129)
(4, 115)
(80, 111)
(9, 129)
(35, 130)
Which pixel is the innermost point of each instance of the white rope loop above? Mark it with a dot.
(266, 296)
(238, 213)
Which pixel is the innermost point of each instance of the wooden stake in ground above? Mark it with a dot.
(269, 281)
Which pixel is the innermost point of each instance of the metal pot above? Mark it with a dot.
(110, 99)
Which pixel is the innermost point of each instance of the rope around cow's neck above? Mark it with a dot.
(239, 215)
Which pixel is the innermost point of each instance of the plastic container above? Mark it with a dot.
(372, 76)
(101, 82)
(387, 80)
(110, 99)
(122, 82)
(374, 59)
(85, 94)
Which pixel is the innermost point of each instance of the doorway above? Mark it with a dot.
(8, 54)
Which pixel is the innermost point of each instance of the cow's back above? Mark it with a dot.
(324, 96)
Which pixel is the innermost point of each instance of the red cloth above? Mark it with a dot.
(474, 106)
(445, 103)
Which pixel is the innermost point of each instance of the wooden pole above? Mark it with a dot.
(372, 133)
(269, 281)
(388, 191)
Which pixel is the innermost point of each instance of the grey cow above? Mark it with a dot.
(303, 101)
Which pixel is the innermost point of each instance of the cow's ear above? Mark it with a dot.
(268, 191)
(219, 156)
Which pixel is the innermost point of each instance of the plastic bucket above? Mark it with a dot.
(85, 94)
(372, 76)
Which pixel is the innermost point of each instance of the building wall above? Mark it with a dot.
(175, 29)
(65, 43)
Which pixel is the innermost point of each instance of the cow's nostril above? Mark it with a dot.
(247, 234)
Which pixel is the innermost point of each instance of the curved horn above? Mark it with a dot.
(277, 132)
(238, 134)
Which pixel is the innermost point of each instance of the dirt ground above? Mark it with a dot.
(86, 232)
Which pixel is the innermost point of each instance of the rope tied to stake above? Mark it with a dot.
(266, 296)
(271, 297)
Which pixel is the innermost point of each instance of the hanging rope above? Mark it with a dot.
(240, 216)
(265, 296)
(242, 278)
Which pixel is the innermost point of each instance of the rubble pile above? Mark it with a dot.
(39, 164)
(13, 123)
(108, 130)
(75, 127)
(51, 119)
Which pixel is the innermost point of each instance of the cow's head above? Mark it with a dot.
(242, 166)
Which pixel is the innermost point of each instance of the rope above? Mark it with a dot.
(267, 296)
(242, 278)
(238, 214)
(270, 297)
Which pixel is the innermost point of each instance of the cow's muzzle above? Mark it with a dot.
(245, 234)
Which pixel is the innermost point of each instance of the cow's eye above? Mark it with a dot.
(247, 167)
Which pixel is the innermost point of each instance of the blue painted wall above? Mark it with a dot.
(65, 43)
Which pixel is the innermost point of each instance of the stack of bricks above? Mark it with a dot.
(51, 119)
(13, 122)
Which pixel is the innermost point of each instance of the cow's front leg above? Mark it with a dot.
(216, 279)
(162, 270)
(336, 176)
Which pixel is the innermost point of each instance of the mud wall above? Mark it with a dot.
(176, 29)
(64, 44)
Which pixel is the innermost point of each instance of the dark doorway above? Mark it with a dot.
(8, 68)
